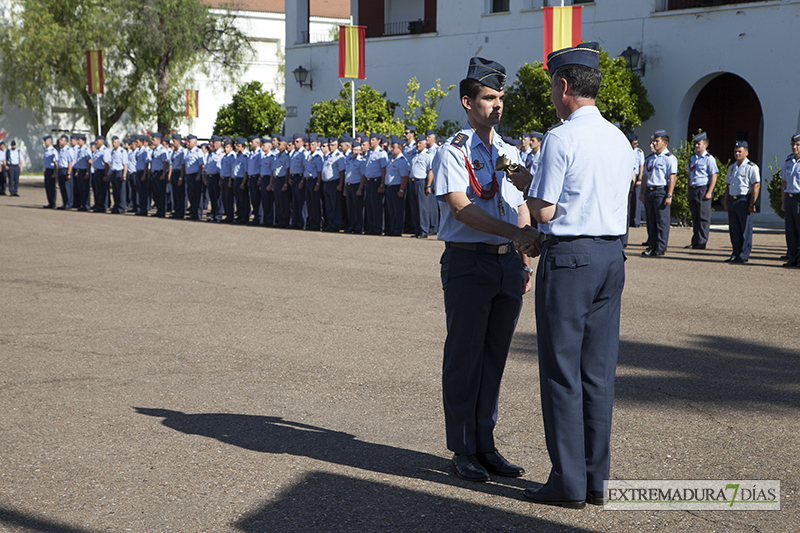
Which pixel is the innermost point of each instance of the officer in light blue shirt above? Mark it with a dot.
(14, 167)
(742, 187)
(410, 147)
(702, 178)
(192, 177)
(332, 175)
(659, 182)
(279, 184)
(354, 182)
(49, 161)
(394, 184)
(790, 202)
(296, 165)
(117, 176)
(312, 168)
(212, 170)
(579, 197)
(3, 168)
(267, 198)
(159, 168)
(101, 164)
(227, 193)
(239, 185)
(176, 177)
(418, 188)
(66, 158)
(635, 207)
(253, 174)
(376, 161)
(82, 174)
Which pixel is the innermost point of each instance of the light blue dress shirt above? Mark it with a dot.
(354, 168)
(659, 167)
(100, 157)
(740, 178)
(48, 160)
(193, 160)
(396, 168)
(226, 165)
(331, 166)
(159, 158)
(376, 161)
(119, 158)
(588, 181)
(297, 161)
(313, 164)
(701, 168)
(790, 173)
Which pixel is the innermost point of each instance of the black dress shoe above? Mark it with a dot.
(467, 467)
(789, 265)
(700, 246)
(595, 497)
(657, 253)
(689, 246)
(643, 244)
(648, 252)
(731, 259)
(494, 463)
(544, 498)
(738, 260)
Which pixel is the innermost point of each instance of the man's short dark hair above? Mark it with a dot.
(585, 81)
(665, 137)
(469, 88)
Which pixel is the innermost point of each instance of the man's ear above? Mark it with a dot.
(466, 102)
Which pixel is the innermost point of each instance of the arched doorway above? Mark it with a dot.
(729, 110)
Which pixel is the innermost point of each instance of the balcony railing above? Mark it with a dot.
(689, 4)
(310, 37)
(411, 27)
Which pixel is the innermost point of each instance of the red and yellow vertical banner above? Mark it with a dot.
(94, 71)
(351, 51)
(562, 29)
(192, 103)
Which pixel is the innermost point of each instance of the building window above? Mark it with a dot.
(500, 6)
(670, 5)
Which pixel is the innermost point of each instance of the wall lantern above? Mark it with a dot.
(632, 56)
(300, 76)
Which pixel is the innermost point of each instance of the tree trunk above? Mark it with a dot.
(163, 113)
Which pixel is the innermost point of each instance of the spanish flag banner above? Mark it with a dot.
(351, 51)
(192, 103)
(94, 71)
(562, 29)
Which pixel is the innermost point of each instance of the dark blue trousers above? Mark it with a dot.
(178, 195)
(355, 208)
(373, 207)
(65, 186)
(298, 200)
(333, 205)
(215, 197)
(578, 288)
(482, 300)
(133, 188)
(81, 189)
(226, 196)
(740, 226)
(420, 212)
(282, 201)
(701, 214)
(267, 203)
(119, 190)
(395, 211)
(242, 200)
(3, 180)
(313, 204)
(634, 206)
(100, 191)
(658, 219)
(143, 188)
(194, 190)
(255, 197)
(159, 180)
(49, 186)
(13, 179)
(791, 218)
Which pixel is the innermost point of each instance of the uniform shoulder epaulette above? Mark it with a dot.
(554, 126)
(667, 152)
(459, 140)
(788, 157)
(751, 163)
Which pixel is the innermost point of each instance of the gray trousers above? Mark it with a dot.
(701, 214)
(658, 219)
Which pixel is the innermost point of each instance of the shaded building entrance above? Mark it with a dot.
(729, 110)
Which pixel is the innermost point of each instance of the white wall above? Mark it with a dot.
(754, 41)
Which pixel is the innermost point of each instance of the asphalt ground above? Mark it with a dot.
(160, 375)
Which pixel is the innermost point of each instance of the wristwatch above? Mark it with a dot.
(527, 269)
(669, 196)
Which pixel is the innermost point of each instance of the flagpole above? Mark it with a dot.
(99, 132)
(353, 105)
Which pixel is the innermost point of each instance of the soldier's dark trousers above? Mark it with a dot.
(701, 214)
(298, 199)
(13, 179)
(255, 198)
(65, 186)
(740, 226)
(791, 217)
(215, 194)
(49, 186)
(194, 190)
(420, 212)
(242, 200)
(333, 207)
(159, 179)
(355, 208)
(373, 207)
(658, 218)
(119, 191)
(178, 195)
(267, 203)
(282, 201)
(143, 186)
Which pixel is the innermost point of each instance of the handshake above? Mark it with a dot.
(528, 241)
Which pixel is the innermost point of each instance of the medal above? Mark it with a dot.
(500, 204)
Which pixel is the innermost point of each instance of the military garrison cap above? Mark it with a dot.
(190, 137)
(177, 137)
(43, 138)
(240, 140)
(489, 73)
(659, 133)
(796, 137)
(421, 138)
(742, 144)
(702, 136)
(156, 135)
(536, 135)
(586, 54)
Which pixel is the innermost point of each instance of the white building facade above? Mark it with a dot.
(719, 65)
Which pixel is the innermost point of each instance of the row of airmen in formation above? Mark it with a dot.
(369, 184)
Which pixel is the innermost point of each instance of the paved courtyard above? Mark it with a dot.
(167, 376)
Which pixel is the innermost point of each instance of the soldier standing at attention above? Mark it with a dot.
(790, 202)
(101, 164)
(635, 214)
(297, 159)
(661, 172)
(176, 178)
(66, 158)
(159, 163)
(192, 177)
(579, 197)
(118, 175)
(482, 275)
(702, 178)
(742, 185)
(49, 161)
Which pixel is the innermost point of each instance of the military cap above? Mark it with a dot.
(632, 137)
(742, 144)
(215, 138)
(297, 136)
(190, 137)
(526, 135)
(430, 132)
(13, 143)
(92, 143)
(265, 140)
(512, 142)
(659, 133)
(702, 136)
(347, 139)
(156, 135)
(536, 135)
(489, 73)
(177, 137)
(114, 138)
(796, 137)
(411, 128)
(421, 138)
(586, 54)
(375, 135)
(361, 134)
(204, 145)
(395, 139)
(63, 136)
(226, 138)
(82, 136)
(285, 139)
(240, 140)
(73, 136)
(253, 138)
(100, 138)
(314, 136)
(46, 137)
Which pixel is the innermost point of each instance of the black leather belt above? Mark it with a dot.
(654, 188)
(417, 179)
(697, 186)
(482, 248)
(737, 197)
(376, 178)
(792, 194)
(543, 237)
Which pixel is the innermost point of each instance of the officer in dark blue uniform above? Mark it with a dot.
(579, 197)
(482, 275)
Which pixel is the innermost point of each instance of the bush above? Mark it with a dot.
(373, 113)
(253, 111)
(774, 187)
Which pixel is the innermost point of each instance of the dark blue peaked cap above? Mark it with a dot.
(490, 73)
(586, 54)
(742, 144)
(796, 137)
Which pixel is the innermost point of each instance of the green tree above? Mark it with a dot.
(150, 48)
(424, 115)
(253, 111)
(622, 97)
(774, 187)
(374, 113)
